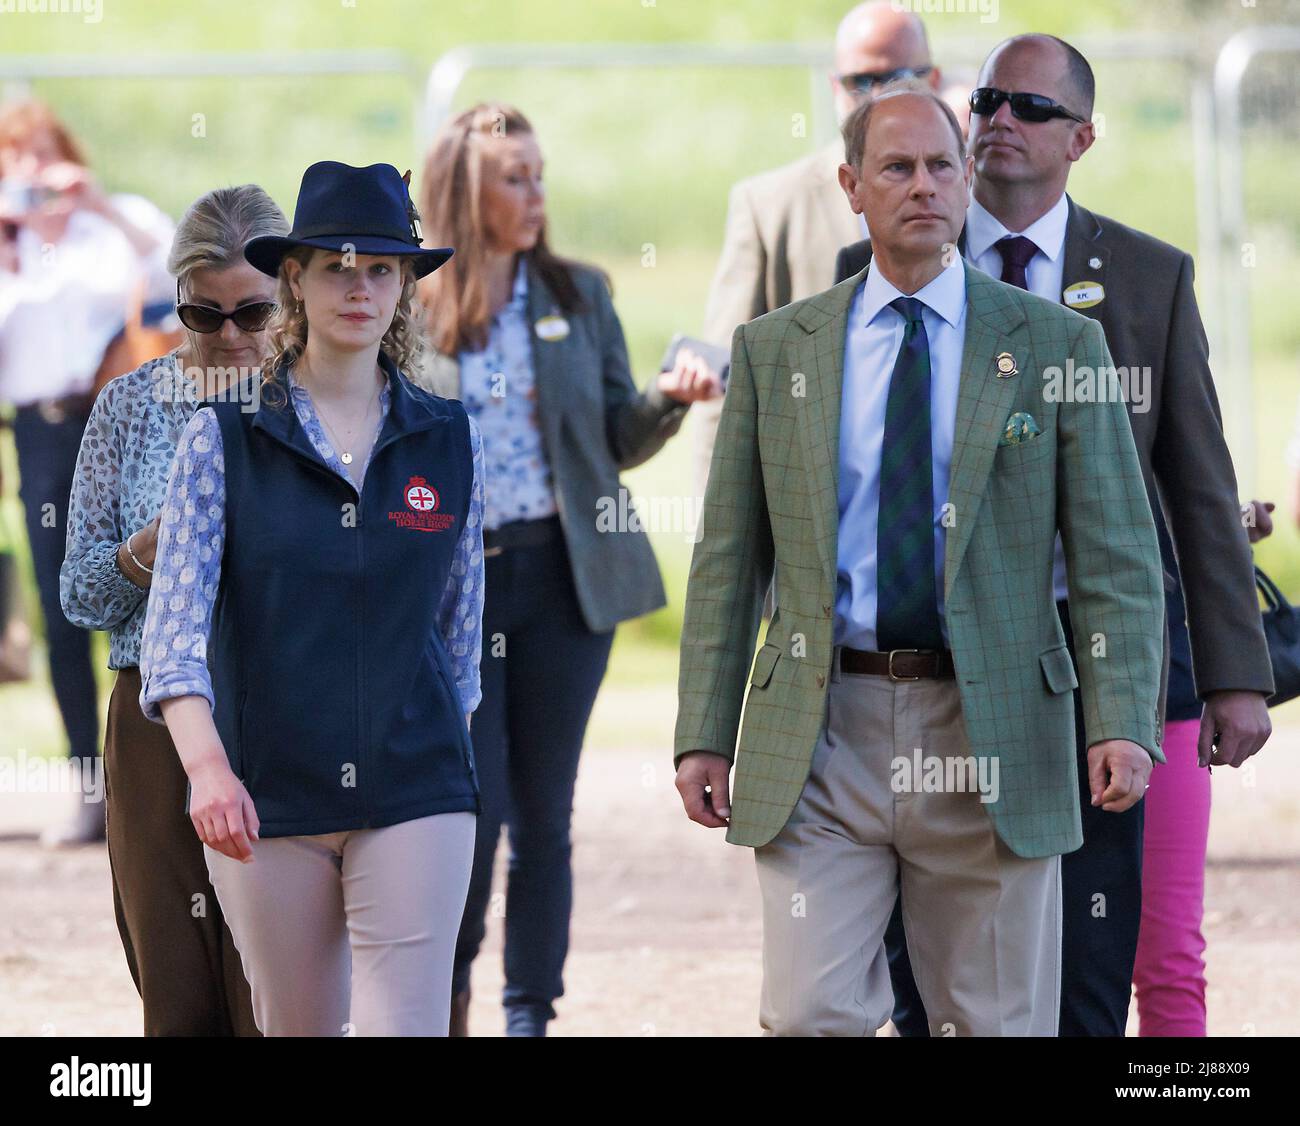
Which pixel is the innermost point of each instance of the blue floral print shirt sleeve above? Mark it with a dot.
(187, 571)
(92, 589)
(460, 613)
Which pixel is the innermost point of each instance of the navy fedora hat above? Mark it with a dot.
(365, 210)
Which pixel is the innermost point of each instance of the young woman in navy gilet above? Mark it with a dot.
(313, 631)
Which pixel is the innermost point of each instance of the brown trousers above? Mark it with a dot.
(179, 950)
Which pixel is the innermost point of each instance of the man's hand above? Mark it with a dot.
(1234, 725)
(702, 782)
(690, 380)
(1261, 523)
(1117, 774)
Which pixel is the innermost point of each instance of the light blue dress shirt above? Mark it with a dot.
(872, 340)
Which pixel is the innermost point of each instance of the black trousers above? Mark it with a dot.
(541, 668)
(47, 460)
(1101, 901)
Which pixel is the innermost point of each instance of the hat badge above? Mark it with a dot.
(412, 215)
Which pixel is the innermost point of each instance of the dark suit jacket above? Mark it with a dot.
(594, 423)
(1150, 318)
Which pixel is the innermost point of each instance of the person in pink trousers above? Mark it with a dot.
(1169, 972)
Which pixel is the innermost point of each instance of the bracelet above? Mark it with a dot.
(146, 570)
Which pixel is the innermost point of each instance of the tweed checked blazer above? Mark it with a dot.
(772, 502)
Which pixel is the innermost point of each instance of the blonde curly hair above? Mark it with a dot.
(286, 331)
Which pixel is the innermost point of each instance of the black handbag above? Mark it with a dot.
(1282, 631)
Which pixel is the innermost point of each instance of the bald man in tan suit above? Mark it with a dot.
(786, 226)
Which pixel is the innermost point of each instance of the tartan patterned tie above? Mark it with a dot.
(907, 610)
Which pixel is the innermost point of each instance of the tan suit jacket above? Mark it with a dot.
(784, 230)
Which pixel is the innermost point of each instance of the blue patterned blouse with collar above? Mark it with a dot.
(499, 390)
(118, 487)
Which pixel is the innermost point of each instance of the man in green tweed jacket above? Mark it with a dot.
(909, 715)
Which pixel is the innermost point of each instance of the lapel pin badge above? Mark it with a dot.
(1094, 263)
(1006, 365)
(551, 328)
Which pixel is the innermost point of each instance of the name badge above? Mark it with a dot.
(1084, 295)
(551, 328)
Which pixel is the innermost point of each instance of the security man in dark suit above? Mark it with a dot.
(1030, 120)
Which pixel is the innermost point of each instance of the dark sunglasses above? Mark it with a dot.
(865, 83)
(1027, 107)
(205, 319)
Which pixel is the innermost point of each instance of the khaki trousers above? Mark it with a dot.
(983, 925)
(351, 933)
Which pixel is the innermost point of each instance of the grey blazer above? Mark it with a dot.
(594, 423)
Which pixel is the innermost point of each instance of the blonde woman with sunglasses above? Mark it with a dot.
(177, 945)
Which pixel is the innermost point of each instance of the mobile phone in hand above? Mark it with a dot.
(717, 357)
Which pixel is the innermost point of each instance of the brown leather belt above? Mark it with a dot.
(899, 664)
(55, 411)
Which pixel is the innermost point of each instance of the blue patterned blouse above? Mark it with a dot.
(119, 485)
(187, 573)
(515, 458)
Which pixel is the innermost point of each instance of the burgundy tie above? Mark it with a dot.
(1016, 251)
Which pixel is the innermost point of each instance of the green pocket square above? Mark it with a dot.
(1020, 427)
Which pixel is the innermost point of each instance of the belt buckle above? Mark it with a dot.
(891, 664)
(51, 411)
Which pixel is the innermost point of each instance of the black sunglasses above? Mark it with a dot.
(1027, 107)
(205, 319)
(865, 83)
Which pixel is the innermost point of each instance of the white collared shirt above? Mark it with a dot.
(872, 340)
(1045, 269)
(1045, 275)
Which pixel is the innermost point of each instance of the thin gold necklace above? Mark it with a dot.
(345, 456)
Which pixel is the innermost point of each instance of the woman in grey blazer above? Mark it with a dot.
(530, 343)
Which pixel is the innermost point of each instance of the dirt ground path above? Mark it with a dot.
(666, 928)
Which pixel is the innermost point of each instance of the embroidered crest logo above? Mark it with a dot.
(422, 513)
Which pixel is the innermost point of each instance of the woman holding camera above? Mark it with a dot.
(72, 259)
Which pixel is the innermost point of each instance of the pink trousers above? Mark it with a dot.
(1169, 974)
